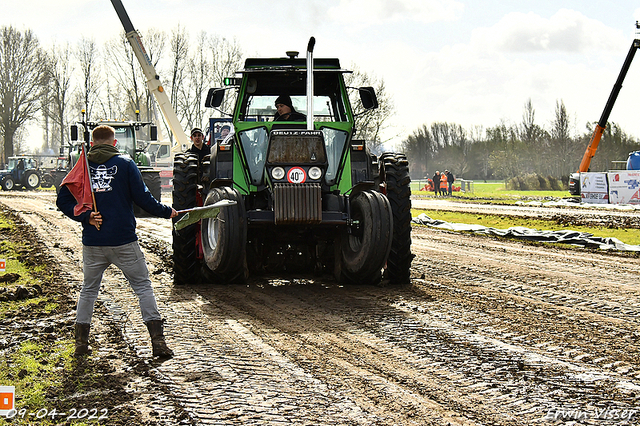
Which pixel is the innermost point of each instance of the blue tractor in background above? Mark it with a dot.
(21, 172)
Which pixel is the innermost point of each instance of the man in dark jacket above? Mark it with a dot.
(199, 147)
(450, 180)
(436, 182)
(286, 111)
(109, 235)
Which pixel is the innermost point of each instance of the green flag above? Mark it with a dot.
(205, 212)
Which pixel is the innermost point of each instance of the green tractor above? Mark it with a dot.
(309, 196)
(127, 143)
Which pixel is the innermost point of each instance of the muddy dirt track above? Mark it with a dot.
(490, 332)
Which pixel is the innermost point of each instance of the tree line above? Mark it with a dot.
(510, 150)
(51, 86)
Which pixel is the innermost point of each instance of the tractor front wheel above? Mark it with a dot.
(8, 183)
(366, 247)
(224, 239)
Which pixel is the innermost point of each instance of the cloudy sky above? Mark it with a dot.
(469, 62)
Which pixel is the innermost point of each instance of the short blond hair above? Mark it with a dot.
(103, 134)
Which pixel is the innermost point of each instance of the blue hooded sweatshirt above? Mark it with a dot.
(118, 184)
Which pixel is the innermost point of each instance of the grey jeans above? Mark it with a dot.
(130, 260)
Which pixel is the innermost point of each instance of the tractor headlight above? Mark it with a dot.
(315, 173)
(277, 173)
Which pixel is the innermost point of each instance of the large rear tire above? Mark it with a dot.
(224, 239)
(31, 179)
(151, 179)
(365, 249)
(186, 266)
(398, 183)
(47, 181)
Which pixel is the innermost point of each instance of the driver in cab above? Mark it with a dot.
(285, 110)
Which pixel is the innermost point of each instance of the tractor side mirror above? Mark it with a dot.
(368, 97)
(214, 98)
(74, 132)
(153, 133)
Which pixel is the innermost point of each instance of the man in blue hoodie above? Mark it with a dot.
(109, 235)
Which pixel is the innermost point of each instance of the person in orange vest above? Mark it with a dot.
(443, 183)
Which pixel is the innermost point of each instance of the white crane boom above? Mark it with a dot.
(153, 80)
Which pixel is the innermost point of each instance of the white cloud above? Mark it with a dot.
(567, 31)
(491, 76)
(374, 12)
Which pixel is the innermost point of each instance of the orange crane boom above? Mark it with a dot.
(602, 124)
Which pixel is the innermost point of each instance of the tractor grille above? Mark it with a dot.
(297, 203)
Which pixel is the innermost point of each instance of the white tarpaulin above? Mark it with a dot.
(593, 188)
(566, 236)
(624, 187)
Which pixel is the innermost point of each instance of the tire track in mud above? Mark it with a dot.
(441, 365)
(223, 372)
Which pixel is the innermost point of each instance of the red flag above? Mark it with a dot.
(79, 183)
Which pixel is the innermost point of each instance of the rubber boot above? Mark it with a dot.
(159, 346)
(82, 339)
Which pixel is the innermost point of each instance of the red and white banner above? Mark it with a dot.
(624, 187)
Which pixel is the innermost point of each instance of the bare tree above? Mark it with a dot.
(420, 149)
(561, 141)
(225, 58)
(369, 123)
(535, 140)
(125, 70)
(87, 56)
(22, 67)
(59, 73)
(179, 54)
(195, 85)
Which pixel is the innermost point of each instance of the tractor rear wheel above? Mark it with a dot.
(398, 184)
(186, 266)
(224, 239)
(31, 179)
(151, 179)
(366, 247)
(47, 181)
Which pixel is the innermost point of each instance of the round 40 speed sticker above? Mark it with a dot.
(296, 175)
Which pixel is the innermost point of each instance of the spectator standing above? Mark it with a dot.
(443, 183)
(436, 182)
(450, 180)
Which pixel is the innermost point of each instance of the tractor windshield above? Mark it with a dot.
(261, 108)
(264, 88)
(125, 140)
